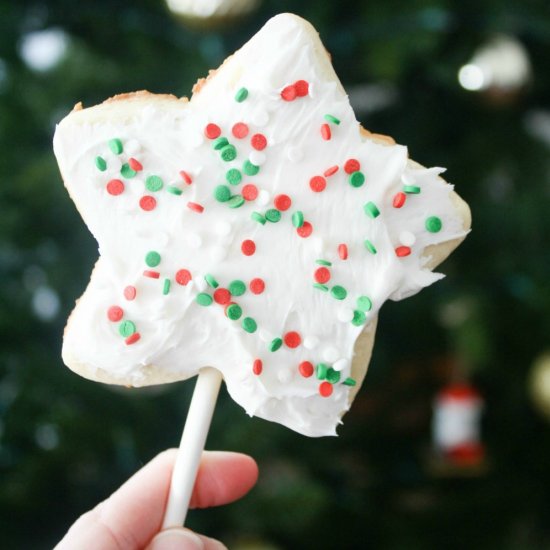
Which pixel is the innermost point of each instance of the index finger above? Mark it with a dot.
(132, 515)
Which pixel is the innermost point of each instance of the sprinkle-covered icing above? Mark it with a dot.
(254, 230)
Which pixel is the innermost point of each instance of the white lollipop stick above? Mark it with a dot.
(191, 446)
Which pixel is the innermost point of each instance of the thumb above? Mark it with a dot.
(179, 538)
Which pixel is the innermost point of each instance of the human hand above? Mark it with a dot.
(130, 519)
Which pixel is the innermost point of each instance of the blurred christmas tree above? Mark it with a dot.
(66, 443)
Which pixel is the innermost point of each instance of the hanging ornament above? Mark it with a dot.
(210, 14)
(456, 428)
(539, 384)
(500, 70)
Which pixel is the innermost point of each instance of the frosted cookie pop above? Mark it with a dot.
(256, 229)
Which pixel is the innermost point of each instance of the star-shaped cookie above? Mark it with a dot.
(256, 229)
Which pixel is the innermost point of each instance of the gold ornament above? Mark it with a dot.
(539, 384)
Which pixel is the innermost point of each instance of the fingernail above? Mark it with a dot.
(176, 539)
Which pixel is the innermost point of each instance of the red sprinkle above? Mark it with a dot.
(325, 132)
(130, 292)
(322, 275)
(302, 88)
(317, 183)
(282, 202)
(115, 187)
(249, 192)
(133, 338)
(259, 142)
(402, 251)
(330, 171)
(222, 296)
(196, 207)
(186, 177)
(151, 274)
(212, 131)
(305, 230)
(115, 313)
(289, 93)
(257, 286)
(183, 276)
(399, 199)
(351, 165)
(257, 366)
(343, 251)
(248, 247)
(292, 339)
(240, 130)
(135, 165)
(147, 203)
(325, 389)
(306, 369)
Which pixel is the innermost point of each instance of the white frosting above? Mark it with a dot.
(179, 336)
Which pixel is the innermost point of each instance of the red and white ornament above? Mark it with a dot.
(456, 424)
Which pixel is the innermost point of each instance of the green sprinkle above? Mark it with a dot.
(338, 292)
(174, 190)
(331, 118)
(321, 371)
(257, 217)
(237, 287)
(233, 176)
(126, 171)
(152, 258)
(359, 318)
(298, 218)
(154, 183)
(115, 145)
(229, 153)
(323, 262)
(126, 328)
(370, 247)
(234, 312)
(166, 288)
(101, 164)
(235, 201)
(241, 95)
(249, 324)
(433, 224)
(356, 179)
(319, 286)
(204, 299)
(211, 281)
(222, 193)
(250, 169)
(371, 210)
(411, 189)
(220, 143)
(275, 344)
(364, 303)
(273, 215)
(333, 376)
(349, 382)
